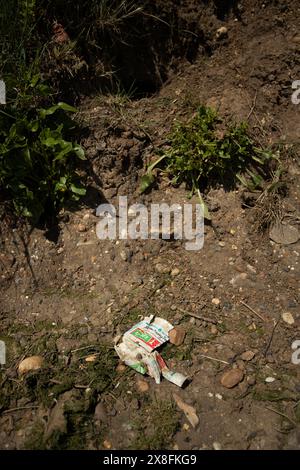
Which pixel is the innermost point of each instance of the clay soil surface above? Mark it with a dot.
(65, 294)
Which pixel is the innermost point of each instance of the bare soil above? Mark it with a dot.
(65, 294)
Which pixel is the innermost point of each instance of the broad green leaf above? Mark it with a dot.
(146, 182)
(26, 212)
(33, 125)
(67, 107)
(79, 151)
(206, 213)
(60, 187)
(76, 190)
(257, 179)
(64, 106)
(67, 148)
(50, 141)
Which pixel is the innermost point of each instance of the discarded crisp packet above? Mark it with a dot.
(137, 348)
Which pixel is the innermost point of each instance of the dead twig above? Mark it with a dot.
(12, 410)
(199, 317)
(296, 404)
(253, 106)
(84, 347)
(253, 311)
(56, 382)
(117, 400)
(282, 414)
(214, 359)
(244, 395)
(271, 338)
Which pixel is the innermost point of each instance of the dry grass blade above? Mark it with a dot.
(282, 414)
(111, 16)
(253, 311)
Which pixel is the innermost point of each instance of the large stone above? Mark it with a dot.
(248, 355)
(100, 413)
(284, 234)
(30, 363)
(232, 377)
(177, 335)
(57, 421)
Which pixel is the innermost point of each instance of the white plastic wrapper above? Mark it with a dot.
(137, 348)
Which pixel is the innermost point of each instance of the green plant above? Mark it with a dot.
(38, 158)
(111, 13)
(18, 39)
(201, 154)
(27, 13)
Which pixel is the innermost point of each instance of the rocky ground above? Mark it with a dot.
(65, 294)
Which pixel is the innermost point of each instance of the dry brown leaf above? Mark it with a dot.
(188, 410)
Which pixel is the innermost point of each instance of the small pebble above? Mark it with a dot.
(247, 355)
(251, 380)
(222, 32)
(214, 330)
(217, 446)
(270, 380)
(107, 444)
(120, 368)
(91, 358)
(175, 272)
(81, 228)
(162, 269)
(124, 255)
(288, 318)
(142, 386)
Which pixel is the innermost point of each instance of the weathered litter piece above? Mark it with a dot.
(137, 348)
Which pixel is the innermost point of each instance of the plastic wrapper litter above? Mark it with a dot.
(138, 349)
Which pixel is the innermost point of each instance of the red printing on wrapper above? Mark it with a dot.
(146, 338)
(160, 361)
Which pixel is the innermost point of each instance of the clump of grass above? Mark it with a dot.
(43, 387)
(273, 395)
(155, 431)
(111, 14)
(269, 208)
(205, 152)
(126, 321)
